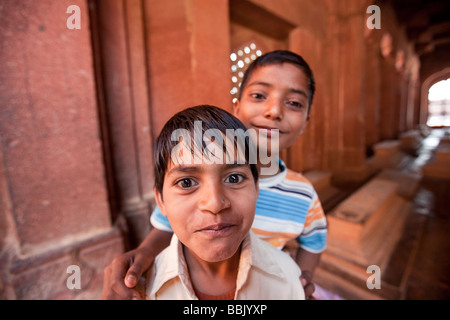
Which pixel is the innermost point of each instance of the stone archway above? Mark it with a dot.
(427, 84)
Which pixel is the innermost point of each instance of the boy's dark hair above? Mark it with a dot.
(211, 118)
(280, 57)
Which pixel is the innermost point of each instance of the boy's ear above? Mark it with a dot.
(236, 106)
(159, 201)
(305, 125)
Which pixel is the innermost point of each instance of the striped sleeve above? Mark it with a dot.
(314, 235)
(159, 221)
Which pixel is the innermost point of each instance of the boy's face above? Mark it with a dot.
(210, 207)
(275, 97)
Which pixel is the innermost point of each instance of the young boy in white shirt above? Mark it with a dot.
(207, 187)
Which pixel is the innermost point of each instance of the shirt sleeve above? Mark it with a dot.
(159, 221)
(314, 235)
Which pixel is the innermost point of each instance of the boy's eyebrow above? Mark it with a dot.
(199, 168)
(183, 169)
(266, 84)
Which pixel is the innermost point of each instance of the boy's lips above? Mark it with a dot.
(268, 129)
(217, 229)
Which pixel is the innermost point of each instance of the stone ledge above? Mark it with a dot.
(363, 230)
(328, 194)
(439, 165)
(44, 276)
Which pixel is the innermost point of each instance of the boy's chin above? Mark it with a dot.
(215, 253)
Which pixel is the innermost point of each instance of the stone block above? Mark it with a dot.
(437, 170)
(320, 179)
(443, 153)
(388, 154)
(363, 231)
(408, 183)
(364, 223)
(44, 276)
(439, 165)
(386, 148)
(410, 141)
(329, 195)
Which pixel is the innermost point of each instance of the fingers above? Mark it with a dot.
(108, 292)
(306, 277)
(114, 287)
(309, 290)
(135, 272)
(308, 286)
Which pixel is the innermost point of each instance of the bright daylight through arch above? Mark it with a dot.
(439, 104)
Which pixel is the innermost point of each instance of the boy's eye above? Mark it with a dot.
(234, 178)
(296, 104)
(186, 183)
(257, 96)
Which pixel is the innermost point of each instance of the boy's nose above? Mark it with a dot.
(274, 110)
(213, 199)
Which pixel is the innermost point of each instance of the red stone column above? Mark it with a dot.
(188, 48)
(308, 152)
(346, 138)
(372, 88)
(123, 88)
(387, 126)
(54, 202)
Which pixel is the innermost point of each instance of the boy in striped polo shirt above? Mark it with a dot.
(275, 99)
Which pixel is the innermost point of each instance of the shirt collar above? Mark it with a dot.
(279, 177)
(173, 265)
(254, 253)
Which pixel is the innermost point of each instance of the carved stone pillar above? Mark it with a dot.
(120, 51)
(53, 197)
(346, 144)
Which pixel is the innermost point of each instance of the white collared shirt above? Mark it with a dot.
(265, 273)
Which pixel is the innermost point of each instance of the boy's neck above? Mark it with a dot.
(212, 278)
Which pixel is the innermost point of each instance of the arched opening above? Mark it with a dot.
(429, 82)
(439, 104)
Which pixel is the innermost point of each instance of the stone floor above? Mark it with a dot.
(428, 269)
(419, 267)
